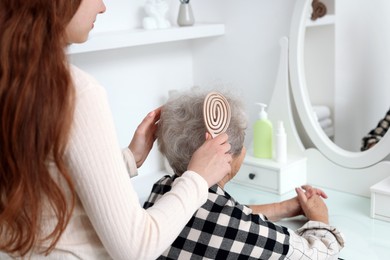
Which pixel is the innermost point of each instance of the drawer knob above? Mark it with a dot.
(252, 176)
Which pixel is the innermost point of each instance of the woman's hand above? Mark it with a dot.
(144, 137)
(287, 208)
(313, 205)
(292, 207)
(212, 160)
(310, 191)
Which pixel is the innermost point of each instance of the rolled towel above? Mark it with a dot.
(321, 112)
(319, 9)
(324, 123)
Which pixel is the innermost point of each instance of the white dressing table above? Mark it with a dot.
(366, 238)
(328, 165)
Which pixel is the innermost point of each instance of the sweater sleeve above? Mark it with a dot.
(315, 240)
(129, 160)
(103, 186)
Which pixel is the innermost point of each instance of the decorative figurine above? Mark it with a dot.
(156, 11)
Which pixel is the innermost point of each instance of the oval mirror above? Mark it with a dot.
(340, 155)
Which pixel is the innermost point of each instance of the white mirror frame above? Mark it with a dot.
(330, 150)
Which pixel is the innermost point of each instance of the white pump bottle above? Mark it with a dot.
(280, 143)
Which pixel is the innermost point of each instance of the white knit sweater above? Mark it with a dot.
(108, 221)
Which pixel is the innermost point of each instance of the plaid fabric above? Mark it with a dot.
(315, 240)
(223, 229)
(376, 134)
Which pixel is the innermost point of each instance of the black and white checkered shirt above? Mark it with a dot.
(223, 229)
(376, 134)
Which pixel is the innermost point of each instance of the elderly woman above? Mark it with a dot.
(222, 228)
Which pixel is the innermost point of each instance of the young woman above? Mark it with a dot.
(65, 189)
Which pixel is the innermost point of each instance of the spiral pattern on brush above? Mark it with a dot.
(216, 113)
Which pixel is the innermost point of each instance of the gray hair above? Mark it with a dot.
(181, 129)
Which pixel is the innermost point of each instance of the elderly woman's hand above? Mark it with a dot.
(287, 208)
(144, 137)
(310, 191)
(313, 205)
(212, 160)
(294, 206)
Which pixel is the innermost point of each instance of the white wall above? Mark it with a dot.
(362, 68)
(138, 78)
(247, 57)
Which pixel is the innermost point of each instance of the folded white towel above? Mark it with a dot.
(321, 112)
(324, 123)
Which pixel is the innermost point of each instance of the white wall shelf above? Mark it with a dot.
(138, 37)
(326, 20)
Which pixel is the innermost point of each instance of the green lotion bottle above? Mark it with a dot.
(262, 135)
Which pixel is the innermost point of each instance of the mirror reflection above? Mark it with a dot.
(347, 65)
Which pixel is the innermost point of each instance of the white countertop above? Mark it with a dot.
(366, 238)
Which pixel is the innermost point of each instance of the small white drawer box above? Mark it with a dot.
(271, 176)
(380, 200)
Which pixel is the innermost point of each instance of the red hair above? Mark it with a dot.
(36, 109)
